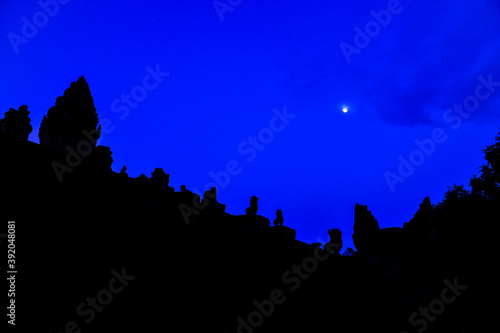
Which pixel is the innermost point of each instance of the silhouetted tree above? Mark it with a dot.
(487, 184)
(492, 155)
(455, 193)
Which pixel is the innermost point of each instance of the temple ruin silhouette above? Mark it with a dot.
(198, 268)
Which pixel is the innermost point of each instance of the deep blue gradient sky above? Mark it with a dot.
(228, 72)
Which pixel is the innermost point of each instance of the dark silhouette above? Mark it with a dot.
(72, 123)
(349, 252)
(123, 171)
(278, 221)
(16, 124)
(188, 198)
(197, 267)
(100, 160)
(252, 210)
(334, 245)
(365, 228)
(209, 201)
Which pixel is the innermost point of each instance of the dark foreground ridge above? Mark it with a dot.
(99, 251)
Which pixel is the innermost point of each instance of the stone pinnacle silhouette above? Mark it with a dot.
(72, 122)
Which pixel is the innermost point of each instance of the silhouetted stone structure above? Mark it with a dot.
(16, 124)
(143, 178)
(420, 226)
(278, 221)
(218, 272)
(252, 210)
(159, 177)
(365, 227)
(209, 201)
(123, 171)
(334, 245)
(72, 121)
(100, 160)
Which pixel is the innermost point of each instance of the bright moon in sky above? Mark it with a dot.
(344, 109)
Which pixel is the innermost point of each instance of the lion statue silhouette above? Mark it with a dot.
(252, 210)
(278, 221)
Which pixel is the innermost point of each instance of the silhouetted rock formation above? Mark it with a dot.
(278, 221)
(16, 124)
(72, 122)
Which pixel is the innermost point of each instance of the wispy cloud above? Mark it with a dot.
(414, 71)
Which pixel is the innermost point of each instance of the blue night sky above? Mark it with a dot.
(189, 87)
